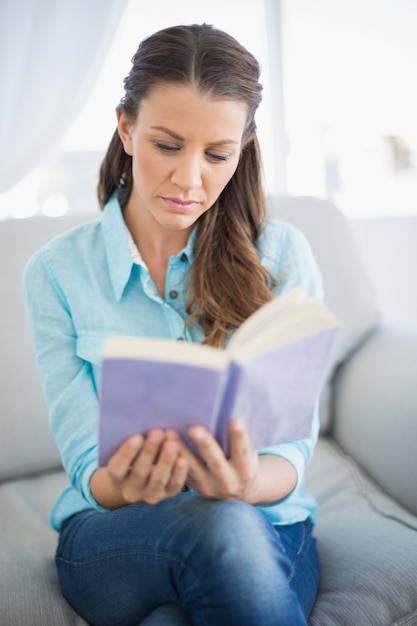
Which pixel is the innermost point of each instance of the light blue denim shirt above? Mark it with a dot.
(83, 287)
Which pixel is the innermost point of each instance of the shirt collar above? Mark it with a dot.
(115, 235)
(122, 252)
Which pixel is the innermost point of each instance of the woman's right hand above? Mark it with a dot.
(144, 469)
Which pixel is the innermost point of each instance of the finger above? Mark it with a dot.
(172, 434)
(178, 476)
(163, 469)
(194, 462)
(241, 452)
(152, 446)
(142, 466)
(239, 440)
(209, 450)
(121, 462)
(168, 475)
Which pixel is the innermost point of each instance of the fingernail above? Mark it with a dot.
(171, 449)
(198, 433)
(135, 441)
(155, 436)
(181, 463)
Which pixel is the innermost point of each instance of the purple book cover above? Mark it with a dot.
(278, 391)
(138, 395)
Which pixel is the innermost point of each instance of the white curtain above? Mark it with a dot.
(50, 54)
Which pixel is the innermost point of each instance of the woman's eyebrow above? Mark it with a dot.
(168, 132)
(171, 133)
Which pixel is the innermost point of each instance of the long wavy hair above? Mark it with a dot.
(227, 282)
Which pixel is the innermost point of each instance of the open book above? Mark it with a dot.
(269, 375)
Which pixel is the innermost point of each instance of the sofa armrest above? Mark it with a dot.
(375, 410)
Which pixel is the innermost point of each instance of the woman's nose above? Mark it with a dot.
(187, 173)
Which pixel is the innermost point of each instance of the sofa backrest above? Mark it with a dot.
(348, 291)
(389, 249)
(26, 444)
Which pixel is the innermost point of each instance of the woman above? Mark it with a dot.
(183, 250)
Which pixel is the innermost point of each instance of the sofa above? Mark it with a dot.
(363, 473)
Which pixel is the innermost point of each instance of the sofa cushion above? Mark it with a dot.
(375, 411)
(26, 444)
(29, 590)
(348, 291)
(367, 545)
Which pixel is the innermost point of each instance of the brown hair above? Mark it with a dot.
(227, 280)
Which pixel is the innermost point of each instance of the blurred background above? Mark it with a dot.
(337, 120)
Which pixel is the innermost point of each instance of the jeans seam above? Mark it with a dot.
(121, 555)
(298, 553)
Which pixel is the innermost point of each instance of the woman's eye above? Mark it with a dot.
(166, 147)
(215, 156)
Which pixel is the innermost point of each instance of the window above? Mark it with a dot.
(351, 102)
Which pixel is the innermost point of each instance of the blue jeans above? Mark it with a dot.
(187, 561)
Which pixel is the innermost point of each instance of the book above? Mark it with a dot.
(269, 374)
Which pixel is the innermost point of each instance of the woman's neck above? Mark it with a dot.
(155, 244)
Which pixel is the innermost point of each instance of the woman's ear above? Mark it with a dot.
(124, 128)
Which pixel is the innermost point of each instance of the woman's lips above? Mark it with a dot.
(180, 206)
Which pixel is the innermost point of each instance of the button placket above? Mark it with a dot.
(176, 323)
(175, 297)
(174, 284)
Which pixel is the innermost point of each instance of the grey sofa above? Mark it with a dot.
(364, 472)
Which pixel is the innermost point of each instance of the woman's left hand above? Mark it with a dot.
(216, 477)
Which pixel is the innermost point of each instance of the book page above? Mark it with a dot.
(266, 315)
(278, 322)
(166, 350)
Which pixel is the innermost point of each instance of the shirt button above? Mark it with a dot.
(173, 294)
(184, 257)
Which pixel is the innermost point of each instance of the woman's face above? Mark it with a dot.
(185, 147)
